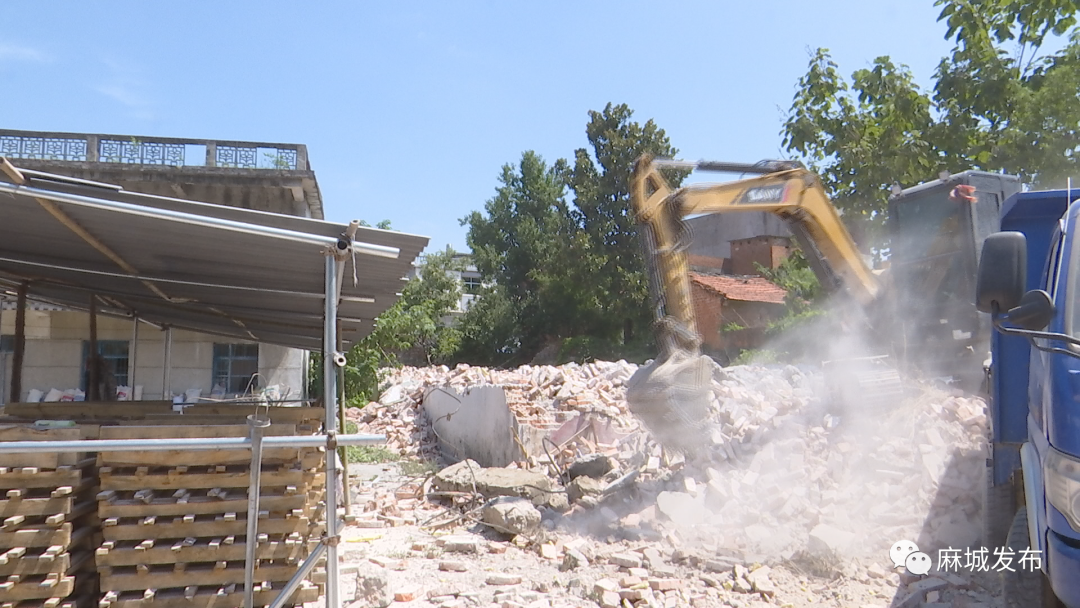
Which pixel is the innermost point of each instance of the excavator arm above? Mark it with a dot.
(785, 189)
(672, 395)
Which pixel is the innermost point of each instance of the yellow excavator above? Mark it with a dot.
(672, 395)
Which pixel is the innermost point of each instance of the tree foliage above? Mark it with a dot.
(413, 323)
(600, 180)
(1000, 101)
(519, 245)
(560, 243)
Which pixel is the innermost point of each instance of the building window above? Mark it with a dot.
(7, 343)
(115, 353)
(471, 285)
(234, 366)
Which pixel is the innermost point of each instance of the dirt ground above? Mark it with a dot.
(430, 556)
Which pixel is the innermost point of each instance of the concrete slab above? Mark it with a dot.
(476, 424)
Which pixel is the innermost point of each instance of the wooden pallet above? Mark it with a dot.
(131, 578)
(202, 526)
(180, 477)
(40, 586)
(41, 460)
(83, 595)
(64, 476)
(48, 518)
(52, 602)
(195, 458)
(161, 410)
(134, 553)
(180, 531)
(227, 596)
(177, 530)
(125, 504)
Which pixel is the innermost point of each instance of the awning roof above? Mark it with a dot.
(265, 283)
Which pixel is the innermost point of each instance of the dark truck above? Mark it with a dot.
(1028, 280)
(937, 230)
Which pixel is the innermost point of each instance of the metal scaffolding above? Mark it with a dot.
(337, 252)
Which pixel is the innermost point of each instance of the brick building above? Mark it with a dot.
(723, 303)
(733, 304)
(768, 251)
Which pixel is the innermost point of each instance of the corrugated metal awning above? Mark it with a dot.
(254, 284)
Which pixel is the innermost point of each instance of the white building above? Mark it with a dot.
(273, 178)
(468, 278)
(57, 345)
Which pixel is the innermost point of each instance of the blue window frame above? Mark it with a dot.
(235, 365)
(115, 353)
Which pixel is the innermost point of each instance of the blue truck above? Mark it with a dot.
(1028, 280)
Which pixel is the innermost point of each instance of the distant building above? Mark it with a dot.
(468, 278)
(732, 312)
(713, 234)
(733, 304)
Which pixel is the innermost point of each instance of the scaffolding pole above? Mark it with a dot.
(166, 373)
(330, 362)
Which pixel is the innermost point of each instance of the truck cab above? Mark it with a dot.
(1028, 280)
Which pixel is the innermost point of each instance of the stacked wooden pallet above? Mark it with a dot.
(49, 523)
(174, 523)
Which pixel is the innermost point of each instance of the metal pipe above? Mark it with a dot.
(133, 356)
(342, 427)
(166, 375)
(3, 357)
(256, 426)
(761, 168)
(185, 443)
(93, 379)
(120, 275)
(330, 402)
(301, 574)
(20, 343)
(196, 220)
(347, 239)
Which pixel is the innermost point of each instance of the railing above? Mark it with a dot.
(160, 151)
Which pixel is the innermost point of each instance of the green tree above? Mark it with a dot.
(522, 245)
(565, 271)
(999, 102)
(414, 323)
(489, 330)
(600, 181)
(383, 225)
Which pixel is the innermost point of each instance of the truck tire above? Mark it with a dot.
(1020, 589)
(999, 509)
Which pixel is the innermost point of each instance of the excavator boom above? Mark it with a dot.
(785, 189)
(672, 395)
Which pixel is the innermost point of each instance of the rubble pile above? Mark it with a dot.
(791, 473)
(542, 395)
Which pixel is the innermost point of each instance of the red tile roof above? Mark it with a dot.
(746, 289)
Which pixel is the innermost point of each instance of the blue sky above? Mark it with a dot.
(409, 109)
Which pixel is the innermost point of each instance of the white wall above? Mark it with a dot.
(54, 351)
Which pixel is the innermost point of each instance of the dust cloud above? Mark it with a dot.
(828, 462)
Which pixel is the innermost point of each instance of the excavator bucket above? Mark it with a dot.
(673, 397)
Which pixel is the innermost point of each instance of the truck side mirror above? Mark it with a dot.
(1002, 276)
(1035, 311)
